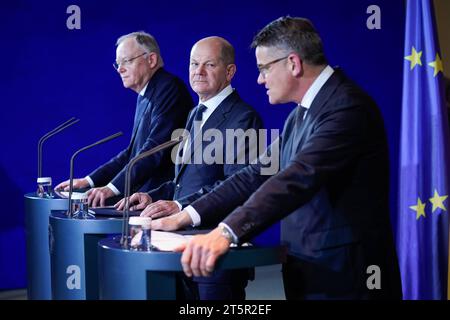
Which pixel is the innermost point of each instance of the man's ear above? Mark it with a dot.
(152, 59)
(295, 64)
(231, 70)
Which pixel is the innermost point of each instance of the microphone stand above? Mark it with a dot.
(49, 134)
(69, 213)
(126, 212)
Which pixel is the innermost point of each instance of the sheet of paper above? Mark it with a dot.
(65, 194)
(167, 241)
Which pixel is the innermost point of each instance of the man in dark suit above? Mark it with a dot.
(331, 193)
(220, 109)
(162, 106)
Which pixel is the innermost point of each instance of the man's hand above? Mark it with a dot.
(77, 184)
(139, 199)
(97, 196)
(173, 222)
(160, 209)
(200, 254)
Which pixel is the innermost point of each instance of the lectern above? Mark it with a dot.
(37, 211)
(142, 275)
(73, 254)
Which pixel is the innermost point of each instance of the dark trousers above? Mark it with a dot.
(343, 275)
(221, 285)
(304, 280)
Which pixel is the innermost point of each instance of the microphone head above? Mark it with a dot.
(44, 189)
(44, 180)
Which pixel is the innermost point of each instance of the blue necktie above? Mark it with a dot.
(198, 115)
(140, 107)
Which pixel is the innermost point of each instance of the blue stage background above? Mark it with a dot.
(51, 73)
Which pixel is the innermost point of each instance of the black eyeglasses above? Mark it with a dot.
(126, 62)
(264, 68)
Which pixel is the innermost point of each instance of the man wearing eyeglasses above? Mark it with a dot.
(211, 70)
(331, 193)
(162, 106)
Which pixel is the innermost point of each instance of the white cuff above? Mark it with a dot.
(235, 238)
(113, 189)
(195, 217)
(179, 205)
(89, 180)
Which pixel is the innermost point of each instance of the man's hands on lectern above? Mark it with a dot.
(138, 201)
(143, 201)
(98, 196)
(77, 184)
(160, 209)
(173, 222)
(200, 254)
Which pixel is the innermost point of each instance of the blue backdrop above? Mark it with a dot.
(51, 73)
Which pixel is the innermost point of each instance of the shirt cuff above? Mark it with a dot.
(89, 180)
(113, 189)
(179, 205)
(195, 217)
(235, 238)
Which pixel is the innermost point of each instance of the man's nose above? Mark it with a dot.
(260, 79)
(200, 69)
(121, 69)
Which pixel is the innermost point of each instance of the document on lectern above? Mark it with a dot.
(65, 194)
(168, 241)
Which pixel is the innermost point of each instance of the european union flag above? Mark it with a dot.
(424, 161)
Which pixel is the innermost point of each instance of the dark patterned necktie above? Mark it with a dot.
(198, 116)
(299, 115)
(140, 107)
(199, 112)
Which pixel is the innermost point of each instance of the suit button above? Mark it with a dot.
(178, 186)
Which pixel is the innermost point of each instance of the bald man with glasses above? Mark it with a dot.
(163, 104)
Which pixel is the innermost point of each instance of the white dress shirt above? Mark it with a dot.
(211, 105)
(306, 102)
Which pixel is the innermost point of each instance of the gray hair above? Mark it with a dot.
(227, 52)
(293, 34)
(145, 40)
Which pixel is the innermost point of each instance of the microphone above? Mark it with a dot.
(49, 134)
(126, 213)
(69, 213)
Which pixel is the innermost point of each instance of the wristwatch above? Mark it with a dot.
(226, 234)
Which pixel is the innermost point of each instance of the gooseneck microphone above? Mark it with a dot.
(49, 134)
(69, 213)
(126, 213)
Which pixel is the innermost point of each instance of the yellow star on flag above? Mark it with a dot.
(414, 58)
(419, 208)
(437, 65)
(438, 201)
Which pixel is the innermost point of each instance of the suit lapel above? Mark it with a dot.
(318, 103)
(148, 96)
(140, 115)
(183, 145)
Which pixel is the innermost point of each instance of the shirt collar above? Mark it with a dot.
(212, 103)
(312, 92)
(142, 92)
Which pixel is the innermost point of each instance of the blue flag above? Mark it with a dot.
(422, 237)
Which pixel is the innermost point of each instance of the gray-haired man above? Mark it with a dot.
(162, 106)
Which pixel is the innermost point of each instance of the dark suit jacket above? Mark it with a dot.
(331, 194)
(168, 104)
(194, 180)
